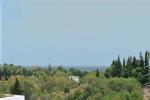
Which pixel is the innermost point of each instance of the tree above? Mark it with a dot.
(119, 67)
(107, 73)
(67, 90)
(97, 73)
(134, 67)
(129, 62)
(124, 62)
(49, 70)
(116, 68)
(16, 88)
(129, 66)
(24, 71)
(141, 60)
(146, 59)
(134, 63)
(49, 67)
(76, 72)
(60, 68)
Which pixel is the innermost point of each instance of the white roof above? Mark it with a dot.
(75, 78)
(15, 97)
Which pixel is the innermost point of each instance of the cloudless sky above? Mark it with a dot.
(0, 33)
(76, 32)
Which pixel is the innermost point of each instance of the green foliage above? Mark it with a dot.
(66, 90)
(38, 83)
(97, 73)
(113, 89)
(115, 69)
(134, 67)
(16, 88)
(77, 72)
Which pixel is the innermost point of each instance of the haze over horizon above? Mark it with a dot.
(86, 33)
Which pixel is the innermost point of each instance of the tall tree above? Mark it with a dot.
(118, 61)
(146, 68)
(129, 62)
(141, 60)
(134, 63)
(97, 73)
(107, 73)
(16, 88)
(49, 69)
(119, 66)
(146, 59)
(124, 62)
(116, 68)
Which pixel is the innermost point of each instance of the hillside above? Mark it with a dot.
(54, 84)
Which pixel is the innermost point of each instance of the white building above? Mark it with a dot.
(75, 78)
(15, 97)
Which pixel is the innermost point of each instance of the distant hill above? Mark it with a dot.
(87, 68)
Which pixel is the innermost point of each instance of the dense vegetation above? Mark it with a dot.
(122, 81)
(133, 67)
(53, 84)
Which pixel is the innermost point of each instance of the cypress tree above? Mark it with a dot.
(16, 88)
(146, 68)
(118, 61)
(141, 60)
(119, 67)
(146, 59)
(113, 63)
(113, 69)
(116, 68)
(134, 63)
(49, 69)
(97, 73)
(129, 62)
(129, 66)
(124, 62)
(107, 73)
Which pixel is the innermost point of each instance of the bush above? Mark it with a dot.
(16, 88)
(66, 90)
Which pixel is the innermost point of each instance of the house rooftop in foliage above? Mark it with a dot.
(74, 78)
(15, 97)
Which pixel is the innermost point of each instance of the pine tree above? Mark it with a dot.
(97, 73)
(134, 63)
(113, 63)
(146, 68)
(133, 67)
(141, 60)
(124, 62)
(128, 67)
(119, 67)
(49, 69)
(116, 68)
(113, 69)
(146, 59)
(16, 88)
(118, 61)
(107, 73)
(129, 62)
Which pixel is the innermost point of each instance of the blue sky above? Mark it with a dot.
(64, 32)
(0, 33)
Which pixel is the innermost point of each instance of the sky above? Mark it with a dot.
(0, 33)
(73, 32)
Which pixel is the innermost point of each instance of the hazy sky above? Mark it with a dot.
(0, 33)
(73, 32)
